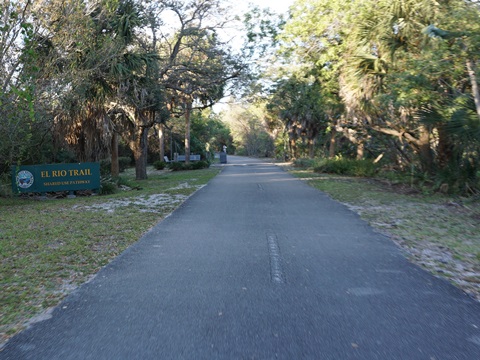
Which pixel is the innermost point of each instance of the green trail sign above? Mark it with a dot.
(55, 177)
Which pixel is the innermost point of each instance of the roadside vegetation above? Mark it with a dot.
(391, 81)
(49, 247)
(439, 232)
(380, 95)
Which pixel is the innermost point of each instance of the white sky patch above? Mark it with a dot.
(234, 34)
(279, 6)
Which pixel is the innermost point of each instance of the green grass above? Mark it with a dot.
(49, 247)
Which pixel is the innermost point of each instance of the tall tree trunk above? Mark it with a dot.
(293, 147)
(115, 167)
(292, 139)
(188, 111)
(161, 140)
(360, 150)
(425, 150)
(445, 148)
(311, 148)
(333, 143)
(473, 80)
(354, 138)
(140, 153)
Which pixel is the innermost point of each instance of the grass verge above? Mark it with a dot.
(439, 233)
(49, 247)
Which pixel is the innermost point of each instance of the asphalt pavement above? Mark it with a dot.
(258, 265)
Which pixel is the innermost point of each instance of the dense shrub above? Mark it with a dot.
(108, 185)
(194, 165)
(5, 185)
(105, 166)
(304, 163)
(457, 179)
(176, 166)
(197, 165)
(123, 181)
(123, 163)
(351, 167)
(159, 165)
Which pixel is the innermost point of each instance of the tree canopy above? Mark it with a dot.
(396, 80)
(92, 71)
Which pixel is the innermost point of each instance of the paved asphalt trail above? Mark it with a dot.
(258, 265)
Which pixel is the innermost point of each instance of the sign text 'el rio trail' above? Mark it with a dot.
(56, 177)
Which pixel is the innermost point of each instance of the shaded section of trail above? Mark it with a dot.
(258, 265)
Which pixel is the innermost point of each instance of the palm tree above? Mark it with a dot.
(114, 90)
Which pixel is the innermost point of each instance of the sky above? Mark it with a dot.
(279, 6)
(242, 6)
(239, 7)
